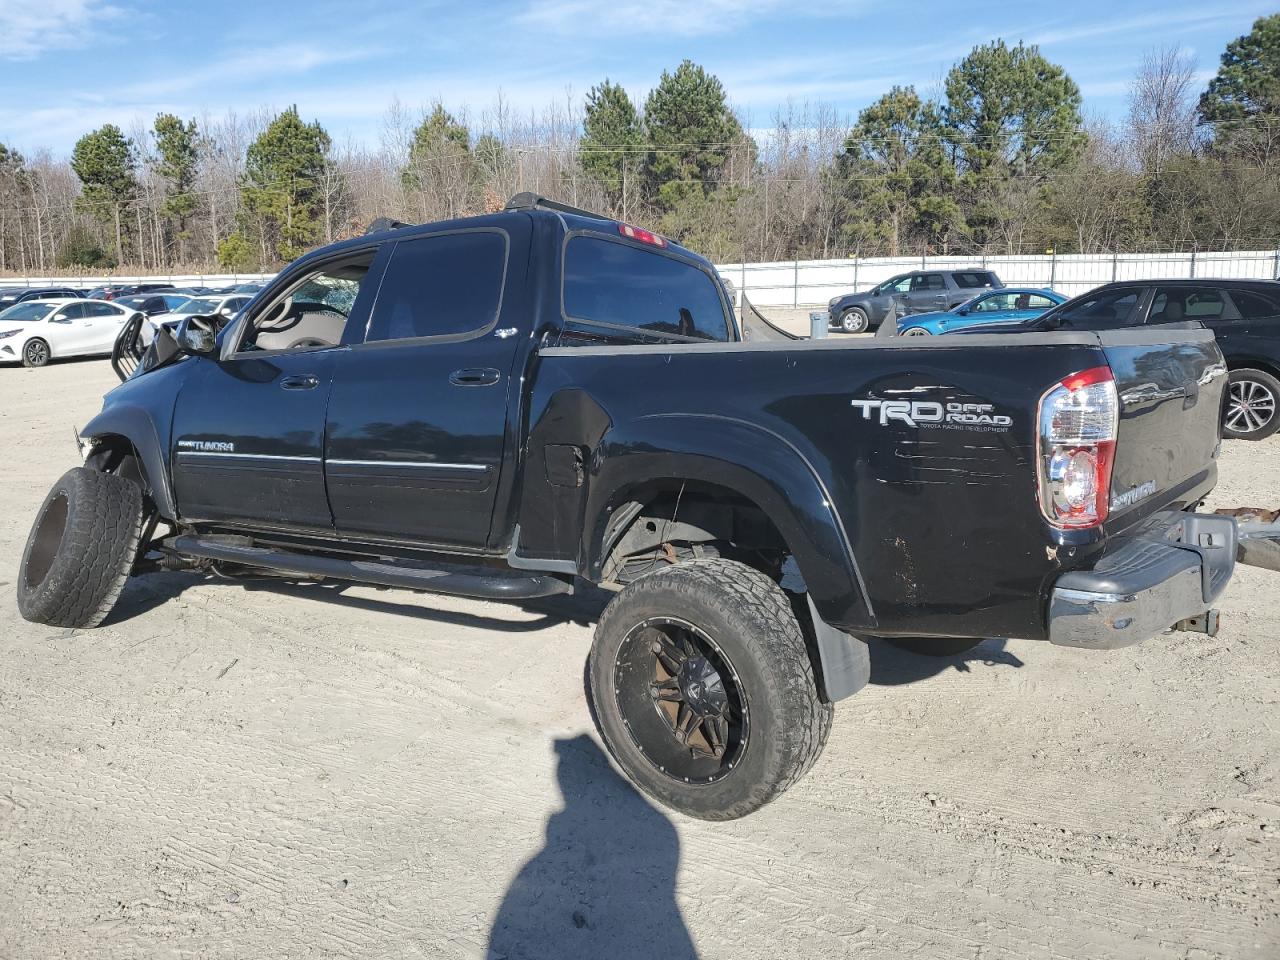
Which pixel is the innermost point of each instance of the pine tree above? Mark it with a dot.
(692, 132)
(105, 161)
(281, 186)
(613, 142)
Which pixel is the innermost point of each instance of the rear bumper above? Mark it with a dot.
(1171, 572)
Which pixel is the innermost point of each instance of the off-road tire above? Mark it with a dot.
(1265, 398)
(36, 353)
(81, 549)
(933, 646)
(854, 320)
(752, 622)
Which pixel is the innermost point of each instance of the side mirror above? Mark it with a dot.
(962, 311)
(196, 336)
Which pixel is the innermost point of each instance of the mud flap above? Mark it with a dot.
(846, 661)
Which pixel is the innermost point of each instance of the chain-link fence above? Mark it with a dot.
(802, 283)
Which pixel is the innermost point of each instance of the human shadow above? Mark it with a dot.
(892, 666)
(603, 884)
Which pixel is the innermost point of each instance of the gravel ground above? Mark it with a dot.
(244, 770)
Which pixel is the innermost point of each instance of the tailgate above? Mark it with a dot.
(1170, 380)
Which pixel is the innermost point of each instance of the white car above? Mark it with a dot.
(36, 331)
(225, 305)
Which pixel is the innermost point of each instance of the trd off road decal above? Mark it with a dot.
(935, 414)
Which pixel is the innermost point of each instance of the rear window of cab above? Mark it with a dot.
(612, 283)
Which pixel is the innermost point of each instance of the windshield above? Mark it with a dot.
(199, 306)
(31, 310)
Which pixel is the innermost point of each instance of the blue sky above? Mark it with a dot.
(67, 66)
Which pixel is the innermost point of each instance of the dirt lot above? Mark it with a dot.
(254, 770)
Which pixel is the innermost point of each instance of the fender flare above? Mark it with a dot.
(754, 462)
(135, 424)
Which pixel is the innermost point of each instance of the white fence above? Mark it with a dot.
(813, 282)
(799, 283)
(177, 279)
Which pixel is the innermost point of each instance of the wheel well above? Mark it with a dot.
(664, 522)
(1248, 363)
(116, 454)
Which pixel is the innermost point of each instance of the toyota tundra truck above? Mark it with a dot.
(513, 405)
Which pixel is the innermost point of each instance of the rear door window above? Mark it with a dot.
(445, 285)
(1176, 304)
(1256, 306)
(973, 279)
(610, 282)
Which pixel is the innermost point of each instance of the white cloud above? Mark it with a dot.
(625, 18)
(255, 65)
(29, 28)
(1165, 20)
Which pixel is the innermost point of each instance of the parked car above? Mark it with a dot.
(11, 295)
(1244, 316)
(905, 294)
(405, 409)
(36, 331)
(1005, 305)
(221, 306)
(153, 304)
(114, 291)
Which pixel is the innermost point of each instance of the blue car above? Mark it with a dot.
(1006, 305)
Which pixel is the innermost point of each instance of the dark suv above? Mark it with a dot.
(12, 295)
(1243, 314)
(917, 292)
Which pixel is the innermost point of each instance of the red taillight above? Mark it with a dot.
(644, 236)
(1079, 419)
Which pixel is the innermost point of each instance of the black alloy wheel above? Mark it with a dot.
(681, 700)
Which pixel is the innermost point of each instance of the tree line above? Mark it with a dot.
(999, 161)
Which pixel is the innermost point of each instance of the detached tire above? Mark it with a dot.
(81, 549)
(702, 689)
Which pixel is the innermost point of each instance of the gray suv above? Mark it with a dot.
(920, 291)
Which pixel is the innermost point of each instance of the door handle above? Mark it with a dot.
(302, 382)
(475, 377)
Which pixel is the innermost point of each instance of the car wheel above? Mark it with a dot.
(81, 549)
(35, 353)
(1251, 405)
(702, 688)
(914, 332)
(932, 646)
(853, 320)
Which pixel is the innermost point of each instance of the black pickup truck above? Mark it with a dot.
(510, 405)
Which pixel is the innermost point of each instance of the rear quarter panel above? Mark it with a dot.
(941, 515)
